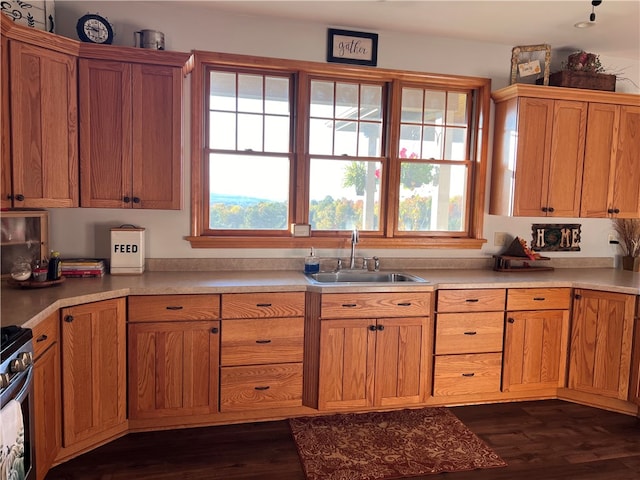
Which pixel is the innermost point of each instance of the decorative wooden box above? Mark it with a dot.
(576, 79)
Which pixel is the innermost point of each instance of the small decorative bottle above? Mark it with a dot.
(311, 263)
(55, 267)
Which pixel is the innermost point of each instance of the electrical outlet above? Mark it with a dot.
(613, 239)
(500, 239)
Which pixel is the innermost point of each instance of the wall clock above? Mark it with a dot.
(93, 28)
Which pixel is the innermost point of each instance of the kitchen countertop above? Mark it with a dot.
(26, 307)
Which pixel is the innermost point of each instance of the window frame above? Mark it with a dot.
(303, 70)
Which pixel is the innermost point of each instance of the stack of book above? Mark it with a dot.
(83, 267)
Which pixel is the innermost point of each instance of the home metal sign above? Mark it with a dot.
(555, 237)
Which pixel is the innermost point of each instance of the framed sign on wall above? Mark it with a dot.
(357, 48)
(530, 64)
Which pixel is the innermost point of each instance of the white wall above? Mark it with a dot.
(85, 232)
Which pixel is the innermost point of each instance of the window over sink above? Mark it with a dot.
(398, 155)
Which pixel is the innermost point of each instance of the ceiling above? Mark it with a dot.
(616, 32)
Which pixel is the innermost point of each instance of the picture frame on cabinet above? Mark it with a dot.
(530, 64)
(356, 48)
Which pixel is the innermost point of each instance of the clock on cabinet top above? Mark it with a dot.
(93, 28)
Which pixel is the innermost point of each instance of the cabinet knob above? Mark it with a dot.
(551, 209)
(68, 318)
(544, 209)
(511, 320)
(616, 210)
(9, 197)
(136, 199)
(41, 338)
(373, 328)
(215, 330)
(380, 328)
(126, 199)
(577, 296)
(20, 197)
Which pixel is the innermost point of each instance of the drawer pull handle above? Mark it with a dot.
(468, 374)
(471, 300)
(470, 333)
(539, 299)
(349, 305)
(263, 341)
(263, 305)
(262, 388)
(174, 307)
(404, 304)
(42, 338)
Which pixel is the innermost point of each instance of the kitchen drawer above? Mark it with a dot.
(467, 374)
(469, 332)
(260, 386)
(260, 305)
(538, 298)
(45, 334)
(165, 308)
(472, 300)
(270, 340)
(376, 305)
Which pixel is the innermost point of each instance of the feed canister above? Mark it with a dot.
(127, 250)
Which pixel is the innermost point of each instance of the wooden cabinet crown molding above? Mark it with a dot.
(564, 93)
(33, 36)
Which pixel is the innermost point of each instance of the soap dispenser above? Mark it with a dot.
(311, 263)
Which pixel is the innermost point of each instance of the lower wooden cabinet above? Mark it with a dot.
(536, 339)
(601, 343)
(467, 374)
(261, 351)
(173, 368)
(635, 366)
(468, 342)
(94, 372)
(47, 393)
(174, 355)
(373, 362)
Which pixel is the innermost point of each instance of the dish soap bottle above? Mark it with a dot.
(311, 263)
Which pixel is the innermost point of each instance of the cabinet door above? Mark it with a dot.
(626, 186)
(401, 366)
(601, 339)
(611, 180)
(173, 368)
(44, 133)
(157, 136)
(94, 371)
(347, 359)
(599, 160)
(535, 352)
(551, 136)
(48, 407)
(535, 124)
(5, 128)
(567, 157)
(105, 134)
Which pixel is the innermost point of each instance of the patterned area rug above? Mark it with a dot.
(399, 444)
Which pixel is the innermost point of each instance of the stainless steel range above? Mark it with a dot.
(17, 454)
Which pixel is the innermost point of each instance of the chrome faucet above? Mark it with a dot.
(354, 240)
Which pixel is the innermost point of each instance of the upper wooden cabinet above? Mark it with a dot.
(40, 124)
(131, 134)
(611, 180)
(547, 138)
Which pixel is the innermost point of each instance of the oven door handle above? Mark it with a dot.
(25, 388)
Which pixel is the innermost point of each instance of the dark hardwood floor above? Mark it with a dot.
(546, 440)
